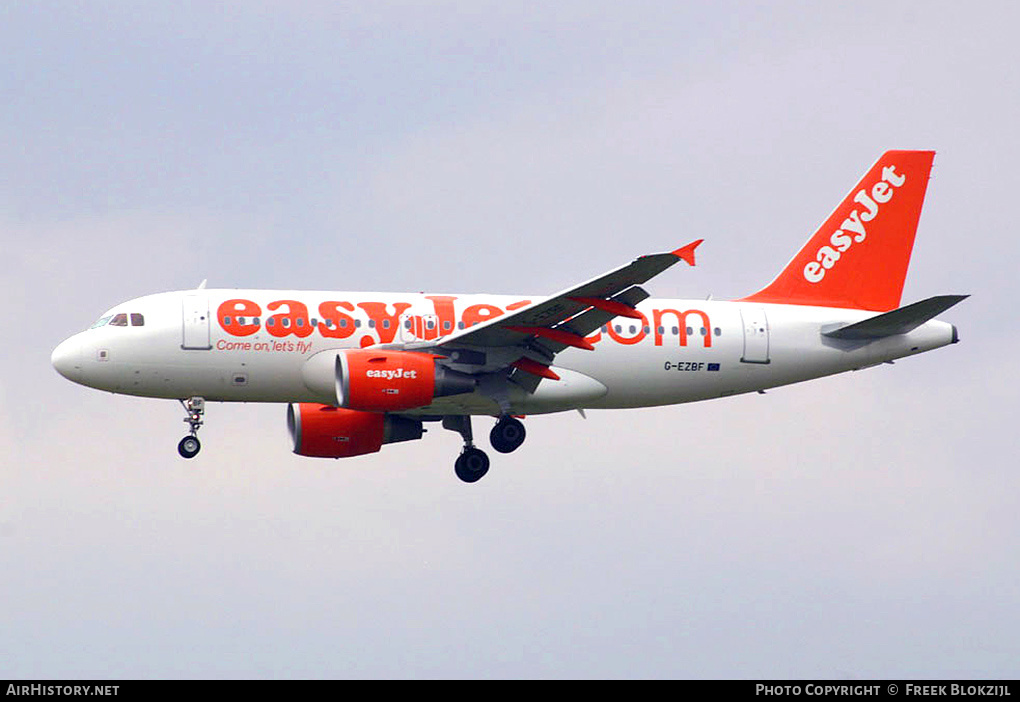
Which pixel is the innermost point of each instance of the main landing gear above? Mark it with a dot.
(472, 464)
(189, 446)
(508, 434)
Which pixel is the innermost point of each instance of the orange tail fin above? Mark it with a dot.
(858, 258)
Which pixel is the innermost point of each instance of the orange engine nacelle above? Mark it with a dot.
(322, 431)
(391, 381)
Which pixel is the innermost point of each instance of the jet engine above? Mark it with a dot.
(391, 381)
(329, 432)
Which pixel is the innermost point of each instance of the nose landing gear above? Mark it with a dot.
(189, 446)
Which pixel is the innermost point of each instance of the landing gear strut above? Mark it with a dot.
(189, 446)
(508, 434)
(472, 464)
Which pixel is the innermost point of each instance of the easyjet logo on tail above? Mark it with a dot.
(854, 228)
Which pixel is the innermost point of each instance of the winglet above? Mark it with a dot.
(687, 252)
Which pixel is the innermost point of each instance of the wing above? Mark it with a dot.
(524, 342)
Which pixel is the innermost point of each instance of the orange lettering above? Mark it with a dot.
(340, 325)
(479, 313)
(232, 310)
(444, 310)
(293, 321)
(681, 317)
(633, 340)
(385, 323)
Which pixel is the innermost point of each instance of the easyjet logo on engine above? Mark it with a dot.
(392, 374)
(853, 229)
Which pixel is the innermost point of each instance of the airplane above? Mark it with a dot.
(362, 369)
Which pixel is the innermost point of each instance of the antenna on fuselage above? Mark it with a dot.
(201, 286)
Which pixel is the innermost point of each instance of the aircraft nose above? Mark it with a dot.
(66, 358)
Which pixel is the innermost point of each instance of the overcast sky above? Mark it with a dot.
(854, 527)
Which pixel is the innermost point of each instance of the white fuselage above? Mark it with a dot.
(261, 346)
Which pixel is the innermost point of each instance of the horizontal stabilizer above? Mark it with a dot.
(899, 321)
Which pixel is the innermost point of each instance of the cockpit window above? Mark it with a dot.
(120, 320)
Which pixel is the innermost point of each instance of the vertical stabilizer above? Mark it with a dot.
(858, 258)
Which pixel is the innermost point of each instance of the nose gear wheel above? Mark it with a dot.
(189, 446)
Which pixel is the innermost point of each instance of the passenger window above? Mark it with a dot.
(119, 320)
(137, 320)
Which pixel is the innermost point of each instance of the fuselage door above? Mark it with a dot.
(756, 335)
(407, 328)
(196, 322)
(419, 327)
